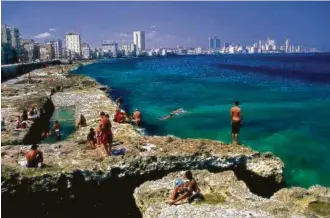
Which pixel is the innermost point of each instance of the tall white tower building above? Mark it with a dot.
(73, 45)
(139, 40)
(287, 49)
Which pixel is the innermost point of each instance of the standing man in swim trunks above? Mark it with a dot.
(137, 117)
(236, 121)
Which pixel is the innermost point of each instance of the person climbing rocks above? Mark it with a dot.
(185, 187)
(56, 128)
(137, 117)
(236, 121)
(34, 157)
(82, 121)
(91, 138)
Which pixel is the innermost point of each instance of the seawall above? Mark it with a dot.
(15, 70)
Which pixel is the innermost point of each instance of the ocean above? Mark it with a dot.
(285, 102)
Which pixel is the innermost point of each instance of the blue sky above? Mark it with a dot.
(174, 23)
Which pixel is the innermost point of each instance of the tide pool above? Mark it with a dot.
(285, 101)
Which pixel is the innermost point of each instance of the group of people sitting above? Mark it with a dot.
(56, 131)
(121, 115)
(27, 118)
(185, 188)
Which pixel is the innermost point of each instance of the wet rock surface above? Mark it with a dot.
(226, 196)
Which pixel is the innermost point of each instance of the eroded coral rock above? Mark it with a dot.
(226, 196)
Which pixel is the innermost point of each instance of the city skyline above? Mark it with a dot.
(188, 30)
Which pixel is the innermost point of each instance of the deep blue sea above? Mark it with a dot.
(285, 101)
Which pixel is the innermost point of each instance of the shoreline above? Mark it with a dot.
(261, 172)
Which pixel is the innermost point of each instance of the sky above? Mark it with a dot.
(168, 24)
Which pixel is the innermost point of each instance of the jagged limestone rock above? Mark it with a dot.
(226, 196)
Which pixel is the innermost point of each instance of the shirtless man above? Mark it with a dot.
(236, 121)
(34, 157)
(137, 117)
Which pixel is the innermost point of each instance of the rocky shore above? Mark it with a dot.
(73, 169)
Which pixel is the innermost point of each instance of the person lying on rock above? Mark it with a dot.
(82, 121)
(185, 187)
(34, 157)
(91, 138)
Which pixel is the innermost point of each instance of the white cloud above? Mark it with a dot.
(43, 35)
(123, 35)
(52, 29)
(152, 34)
(153, 27)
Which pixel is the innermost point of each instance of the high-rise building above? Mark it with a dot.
(139, 40)
(287, 45)
(47, 51)
(110, 49)
(85, 50)
(30, 50)
(73, 45)
(214, 43)
(57, 44)
(199, 50)
(10, 44)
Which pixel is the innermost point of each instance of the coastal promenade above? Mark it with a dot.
(73, 169)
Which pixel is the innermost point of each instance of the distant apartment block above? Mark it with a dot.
(73, 45)
(109, 49)
(214, 43)
(139, 40)
(57, 44)
(86, 53)
(10, 45)
(30, 50)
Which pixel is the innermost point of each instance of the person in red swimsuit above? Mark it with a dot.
(106, 134)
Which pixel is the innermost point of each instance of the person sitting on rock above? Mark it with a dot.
(185, 187)
(82, 121)
(21, 124)
(98, 134)
(56, 128)
(91, 138)
(119, 116)
(34, 157)
(33, 113)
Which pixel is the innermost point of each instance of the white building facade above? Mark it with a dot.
(73, 45)
(139, 40)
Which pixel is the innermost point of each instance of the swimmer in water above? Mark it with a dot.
(175, 112)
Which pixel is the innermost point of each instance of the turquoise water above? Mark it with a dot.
(65, 116)
(285, 102)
